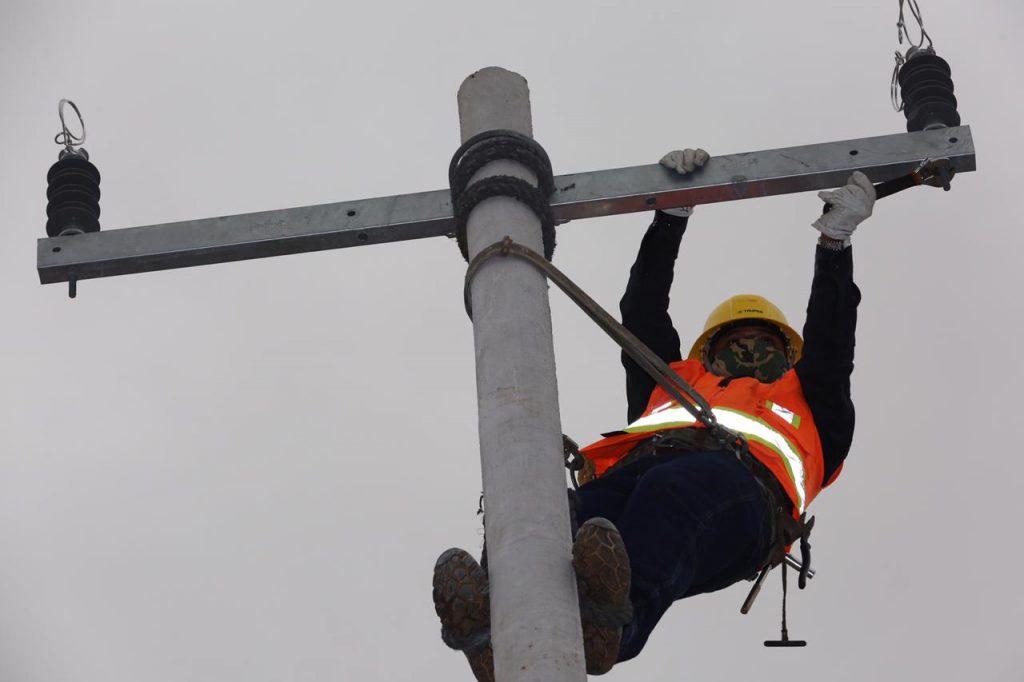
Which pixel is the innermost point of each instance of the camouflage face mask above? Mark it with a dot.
(751, 356)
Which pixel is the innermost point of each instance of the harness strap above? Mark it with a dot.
(648, 360)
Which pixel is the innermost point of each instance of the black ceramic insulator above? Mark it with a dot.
(927, 92)
(73, 190)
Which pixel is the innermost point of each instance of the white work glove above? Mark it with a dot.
(851, 205)
(684, 161)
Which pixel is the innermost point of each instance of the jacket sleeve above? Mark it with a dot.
(826, 364)
(644, 306)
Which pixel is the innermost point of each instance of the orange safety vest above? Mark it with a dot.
(775, 419)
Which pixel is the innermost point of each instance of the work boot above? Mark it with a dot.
(602, 580)
(463, 603)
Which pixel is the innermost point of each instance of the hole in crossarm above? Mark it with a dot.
(954, 140)
(854, 152)
(351, 213)
(56, 249)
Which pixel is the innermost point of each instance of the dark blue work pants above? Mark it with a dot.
(691, 522)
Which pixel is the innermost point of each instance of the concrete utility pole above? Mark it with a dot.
(535, 620)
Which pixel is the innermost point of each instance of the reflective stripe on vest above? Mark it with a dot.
(668, 416)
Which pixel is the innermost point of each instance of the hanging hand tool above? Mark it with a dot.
(790, 560)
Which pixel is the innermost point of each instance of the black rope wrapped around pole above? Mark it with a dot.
(495, 145)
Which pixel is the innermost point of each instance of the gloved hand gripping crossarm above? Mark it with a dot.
(851, 205)
(684, 161)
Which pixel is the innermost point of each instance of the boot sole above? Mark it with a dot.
(603, 576)
(462, 602)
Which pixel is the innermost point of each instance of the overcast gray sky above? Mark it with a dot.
(199, 481)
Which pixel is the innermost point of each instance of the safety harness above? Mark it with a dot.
(788, 529)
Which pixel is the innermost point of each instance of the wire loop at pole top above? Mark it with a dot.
(65, 136)
(901, 33)
(901, 26)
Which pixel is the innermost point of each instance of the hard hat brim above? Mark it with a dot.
(796, 344)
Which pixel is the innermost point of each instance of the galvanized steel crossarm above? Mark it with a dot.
(429, 214)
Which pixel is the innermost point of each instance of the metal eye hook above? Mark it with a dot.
(66, 137)
(894, 86)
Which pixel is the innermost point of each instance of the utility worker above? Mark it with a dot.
(670, 511)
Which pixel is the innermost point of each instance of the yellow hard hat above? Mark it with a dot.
(744, 307)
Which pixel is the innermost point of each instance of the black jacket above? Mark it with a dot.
(826, 363)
